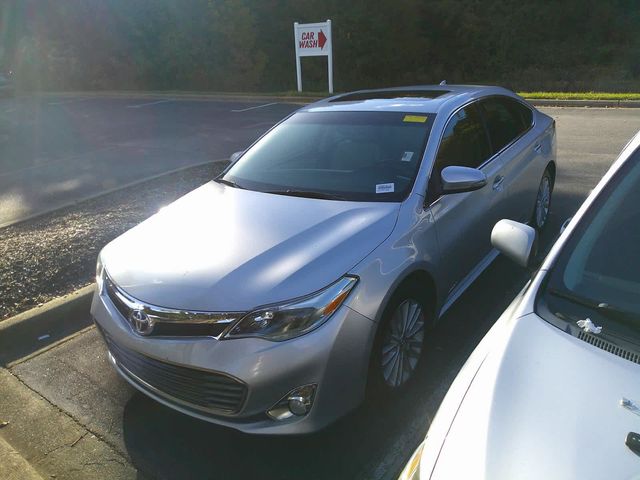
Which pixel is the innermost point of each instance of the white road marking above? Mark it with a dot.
(258, 125)
(253, 108)
(63, 102)
(140, 105)
(10, 110)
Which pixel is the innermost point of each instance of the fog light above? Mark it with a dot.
(297, 402)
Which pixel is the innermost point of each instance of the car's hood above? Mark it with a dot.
(224, 249)
(544, 405)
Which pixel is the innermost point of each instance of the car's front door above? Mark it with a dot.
(464, 220)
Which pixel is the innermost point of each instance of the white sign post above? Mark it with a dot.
(313, 40)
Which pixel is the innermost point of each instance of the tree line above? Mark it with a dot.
(247, 45)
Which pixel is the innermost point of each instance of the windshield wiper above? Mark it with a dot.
(607, 310)
(306, 194)
(229, 183)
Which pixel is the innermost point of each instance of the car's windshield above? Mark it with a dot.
(364, 156)
(597, 274)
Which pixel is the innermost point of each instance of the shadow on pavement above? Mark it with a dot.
(166, 444)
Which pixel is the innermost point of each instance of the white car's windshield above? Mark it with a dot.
(366, 156)
(597, 275)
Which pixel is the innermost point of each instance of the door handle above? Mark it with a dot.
(497, 183)
(538, 148)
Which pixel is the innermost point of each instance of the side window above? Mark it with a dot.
(525, 113)
(505, 120)
(464, 143)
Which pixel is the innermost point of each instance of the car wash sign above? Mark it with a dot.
(313, 40)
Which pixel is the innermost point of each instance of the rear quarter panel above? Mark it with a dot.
(529, 165)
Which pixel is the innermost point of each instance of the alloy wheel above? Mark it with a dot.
(403, 343)
(543, 201)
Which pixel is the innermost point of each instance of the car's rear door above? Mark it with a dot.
(513, 149)
(464, 220)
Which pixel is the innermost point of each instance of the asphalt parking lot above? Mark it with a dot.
(121, 433)
(58, 150)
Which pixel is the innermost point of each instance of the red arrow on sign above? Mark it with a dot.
(322, 39)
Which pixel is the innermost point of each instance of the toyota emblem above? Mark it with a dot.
(141, 322)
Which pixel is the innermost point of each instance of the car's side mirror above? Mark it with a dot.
(235, 156)
(515, 240)
(462, 179)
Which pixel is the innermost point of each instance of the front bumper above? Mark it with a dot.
(335, 357)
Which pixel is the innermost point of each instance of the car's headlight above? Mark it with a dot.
(412, 469)
(99, 273)
(295, 318)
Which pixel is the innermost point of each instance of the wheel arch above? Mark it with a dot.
(418, 274)
(551, 166)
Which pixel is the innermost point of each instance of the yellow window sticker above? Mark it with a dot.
(415, 118)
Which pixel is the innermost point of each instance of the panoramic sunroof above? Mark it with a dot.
(384, 94)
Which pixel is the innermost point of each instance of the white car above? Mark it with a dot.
(553, 390)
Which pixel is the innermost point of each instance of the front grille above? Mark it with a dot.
(199, 389)
(609, 347)
(110, 288)
(185, 327)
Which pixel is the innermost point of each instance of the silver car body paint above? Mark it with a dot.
(224, 249)
(529, 402)
(232, 250)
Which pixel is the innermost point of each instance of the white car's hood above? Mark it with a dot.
(224, 249)
(544, 405)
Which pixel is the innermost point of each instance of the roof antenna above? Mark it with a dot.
(443, 82)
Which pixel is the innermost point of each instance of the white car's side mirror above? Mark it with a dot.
(516, 241)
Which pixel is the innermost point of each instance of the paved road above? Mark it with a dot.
(58, 150)
(372, 442)
(55, 151)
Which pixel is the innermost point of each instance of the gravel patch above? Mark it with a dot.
(55, 254)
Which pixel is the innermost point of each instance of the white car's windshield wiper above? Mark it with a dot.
(306, 194)
(607, 310)
(224, 181)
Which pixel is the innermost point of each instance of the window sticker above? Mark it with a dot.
(415, 118)
(406, 157)
(385, 188)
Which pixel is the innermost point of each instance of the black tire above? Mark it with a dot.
(542, 205)
(379, 382)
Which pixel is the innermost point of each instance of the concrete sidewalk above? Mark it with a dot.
(13, 466)
(42, 441)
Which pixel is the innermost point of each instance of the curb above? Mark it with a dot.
(42, 326)
(190, 96)
(538, 102)
(544, 102)
(109, 191)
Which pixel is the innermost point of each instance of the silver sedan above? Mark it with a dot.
(312, 269)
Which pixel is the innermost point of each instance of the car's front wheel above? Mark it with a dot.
(399, 345)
